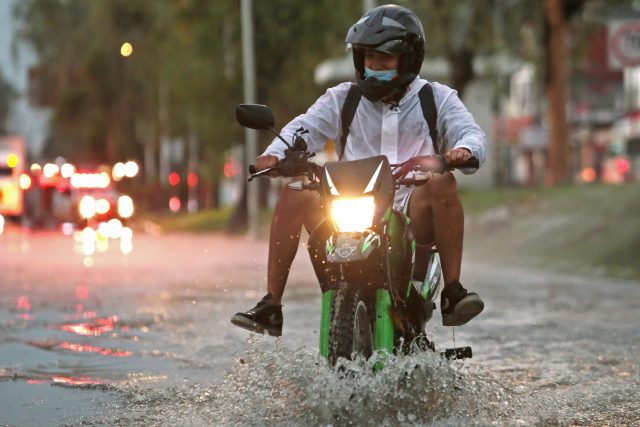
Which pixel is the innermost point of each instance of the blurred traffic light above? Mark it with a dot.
(230, 169)
(192, 179)
(174, 179)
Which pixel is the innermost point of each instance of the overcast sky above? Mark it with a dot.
(26, 120)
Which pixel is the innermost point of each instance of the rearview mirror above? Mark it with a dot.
(255, 116)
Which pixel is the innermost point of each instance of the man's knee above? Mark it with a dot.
(297, 207)
(443, 185)
(438, 189)
(293, 199)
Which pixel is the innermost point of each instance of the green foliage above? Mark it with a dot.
(291, 40)
(210, 220)
(184, 77)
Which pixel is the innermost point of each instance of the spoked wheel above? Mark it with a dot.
(350, 332)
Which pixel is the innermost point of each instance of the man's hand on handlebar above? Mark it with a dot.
(431, 163)
(264, 166)
(457, 157)
(266, 162)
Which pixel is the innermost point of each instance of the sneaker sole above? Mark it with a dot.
(252, 326)
(468, 308)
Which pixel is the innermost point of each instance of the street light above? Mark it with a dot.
(126, 49)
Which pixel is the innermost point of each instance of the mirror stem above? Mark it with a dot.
(281, 138)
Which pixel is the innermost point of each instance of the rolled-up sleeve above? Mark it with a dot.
(322, 120)
(460, 130)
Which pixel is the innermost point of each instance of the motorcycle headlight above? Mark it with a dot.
(87, 207)
(353, 214)
(125, 206)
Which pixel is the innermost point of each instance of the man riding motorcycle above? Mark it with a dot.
(388, 46)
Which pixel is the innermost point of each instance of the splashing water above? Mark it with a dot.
(274, 385)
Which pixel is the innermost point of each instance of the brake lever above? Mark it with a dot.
(254, 174)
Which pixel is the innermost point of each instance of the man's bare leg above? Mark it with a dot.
(437, 216)
(294, 209)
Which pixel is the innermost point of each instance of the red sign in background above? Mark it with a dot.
(624, 44)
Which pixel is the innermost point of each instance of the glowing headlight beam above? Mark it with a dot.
(353, 214)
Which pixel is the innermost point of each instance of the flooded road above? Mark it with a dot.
(144, 338)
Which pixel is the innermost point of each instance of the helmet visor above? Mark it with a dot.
(395, 47)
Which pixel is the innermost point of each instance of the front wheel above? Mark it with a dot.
(350, 331)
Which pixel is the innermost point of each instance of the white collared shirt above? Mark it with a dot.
(399, 132)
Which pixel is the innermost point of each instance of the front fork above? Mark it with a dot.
(382, 328)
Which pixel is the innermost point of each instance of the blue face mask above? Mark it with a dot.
(383, 76)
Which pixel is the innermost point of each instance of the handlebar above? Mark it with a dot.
(296, 163)
(254, 173)
(436, 163)
(473, 162)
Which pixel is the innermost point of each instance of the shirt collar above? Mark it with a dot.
(413, 88)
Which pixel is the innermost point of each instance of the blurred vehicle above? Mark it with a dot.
(12, 179)
(91, 199)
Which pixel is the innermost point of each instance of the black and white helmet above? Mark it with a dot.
(390, 29)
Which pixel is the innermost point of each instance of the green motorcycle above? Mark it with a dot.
(375, 297)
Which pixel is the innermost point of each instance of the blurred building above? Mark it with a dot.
(603, 103)
(603, 106)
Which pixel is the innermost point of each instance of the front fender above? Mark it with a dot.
(351, 247)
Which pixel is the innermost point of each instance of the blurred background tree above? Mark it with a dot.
(183, 78)
(7, 94)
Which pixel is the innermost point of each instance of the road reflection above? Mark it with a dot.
(96, 328)
(85, 348)
(78, 348)
(91, 240)
(80, 319)
(75, 381)
(23, 308)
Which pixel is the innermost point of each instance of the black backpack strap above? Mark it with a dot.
(430, 112)
(346, 115)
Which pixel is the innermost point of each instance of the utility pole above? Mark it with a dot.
(251, 137)
(557, 93)
(163, 134)
(193, 168)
